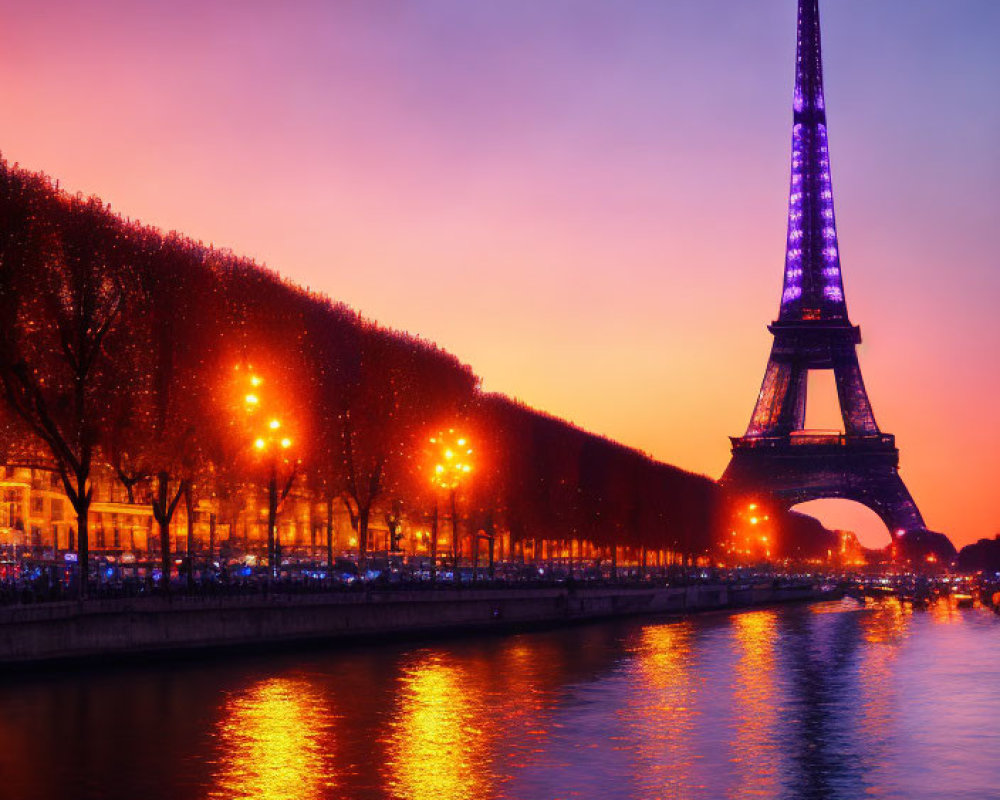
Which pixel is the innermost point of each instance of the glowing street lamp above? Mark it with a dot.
(452, 468)
(754, 532)
(271, 443)
(454, 460)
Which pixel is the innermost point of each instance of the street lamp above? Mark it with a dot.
(752, 520)
(270, 442)
(453, 464)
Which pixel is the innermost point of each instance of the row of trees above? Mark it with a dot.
(121, 346)
(189, 371)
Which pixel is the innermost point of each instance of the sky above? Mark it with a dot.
(584, 200)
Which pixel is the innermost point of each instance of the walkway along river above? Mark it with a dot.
(162, 625)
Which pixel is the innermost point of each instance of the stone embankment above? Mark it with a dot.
(150, 626)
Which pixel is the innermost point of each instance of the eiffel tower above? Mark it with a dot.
(776, 457)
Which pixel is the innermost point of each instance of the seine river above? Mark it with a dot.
(823, 701)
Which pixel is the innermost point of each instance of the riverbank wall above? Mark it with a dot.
(150, 626)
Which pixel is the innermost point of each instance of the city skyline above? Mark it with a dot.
(620, 202)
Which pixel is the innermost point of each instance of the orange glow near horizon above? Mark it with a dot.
(551, 196)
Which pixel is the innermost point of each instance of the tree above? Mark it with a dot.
(264, 412)
(120, 346)
(394, 389)
(64, 284)
(158, 432)
(333, 341)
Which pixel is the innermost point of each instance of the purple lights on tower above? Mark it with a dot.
(793, 252)
(813, 333)
(813, 286)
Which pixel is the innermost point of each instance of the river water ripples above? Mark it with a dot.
(824, 701)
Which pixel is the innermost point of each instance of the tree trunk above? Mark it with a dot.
(211, 537)
(329, 535)
(83, 543)
(364, 513)
(454, 538)
(189, 513)
(164, 554)
(272, 519)
(434, 545)
(163, 512)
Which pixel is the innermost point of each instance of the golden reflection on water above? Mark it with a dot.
(884, 626)
(661, 710)
(945, 611)
(755, 757)
(521, 708)
(887, 622)
(439, 742)
(274, 744)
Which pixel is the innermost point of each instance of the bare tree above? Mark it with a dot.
(395, 389)
(64, 287)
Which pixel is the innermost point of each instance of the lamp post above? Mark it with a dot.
(273, 448)
(452, 466)
(271, 444)
(757, 519)
(434, 543)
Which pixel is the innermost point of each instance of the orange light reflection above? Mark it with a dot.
(275, 744)
(439, 746)
(755, 756)
(662, 712)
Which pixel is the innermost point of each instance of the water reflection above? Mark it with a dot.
(885, 626)
(524, 676)
(821, 753)
(755, 702)
(274, 742)
(662, 712)
(886, 622)
(945, 611)
(439, 744)
(834, 702)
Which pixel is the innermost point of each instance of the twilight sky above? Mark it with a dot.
(585, 200)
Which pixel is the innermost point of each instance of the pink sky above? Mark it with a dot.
(583, 200)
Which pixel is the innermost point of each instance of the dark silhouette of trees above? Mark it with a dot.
(266, 406)
(983, 555)
(125, 349)
(158, 434)
(550, 480)
(66, 282)
(334, 335)
(394, 389)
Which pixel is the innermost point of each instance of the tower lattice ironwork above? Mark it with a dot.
(776, 456)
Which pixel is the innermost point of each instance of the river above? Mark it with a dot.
(829, 700)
